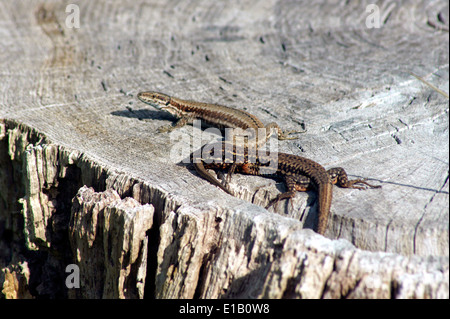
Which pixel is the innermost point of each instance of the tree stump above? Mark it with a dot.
(94, 202)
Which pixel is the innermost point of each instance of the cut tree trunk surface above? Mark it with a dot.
(86, 179)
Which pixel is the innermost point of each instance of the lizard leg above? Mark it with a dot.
(231, 171)
(180, 123)
(242, 168)
(290, 184)
(282, 135)
(339, 177)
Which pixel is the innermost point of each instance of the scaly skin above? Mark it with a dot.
(299, 174)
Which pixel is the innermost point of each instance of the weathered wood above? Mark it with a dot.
(114, 261)
(69, 118)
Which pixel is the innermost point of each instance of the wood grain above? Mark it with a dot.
(69, 117)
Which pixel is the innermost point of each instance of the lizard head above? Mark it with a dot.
(155, 99)
(160, 101)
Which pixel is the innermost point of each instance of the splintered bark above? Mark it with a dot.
(96, 203)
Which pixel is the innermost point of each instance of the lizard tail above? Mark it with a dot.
(325, 194)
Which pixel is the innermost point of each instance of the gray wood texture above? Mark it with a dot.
(69, 117)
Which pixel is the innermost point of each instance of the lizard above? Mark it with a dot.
(219, 115)
(299, 173)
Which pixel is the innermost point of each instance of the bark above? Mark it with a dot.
(87, 180)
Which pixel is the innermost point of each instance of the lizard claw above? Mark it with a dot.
(285, 135)
(165, 128)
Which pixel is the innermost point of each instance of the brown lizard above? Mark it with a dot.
(298, 173)
(218, 115)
